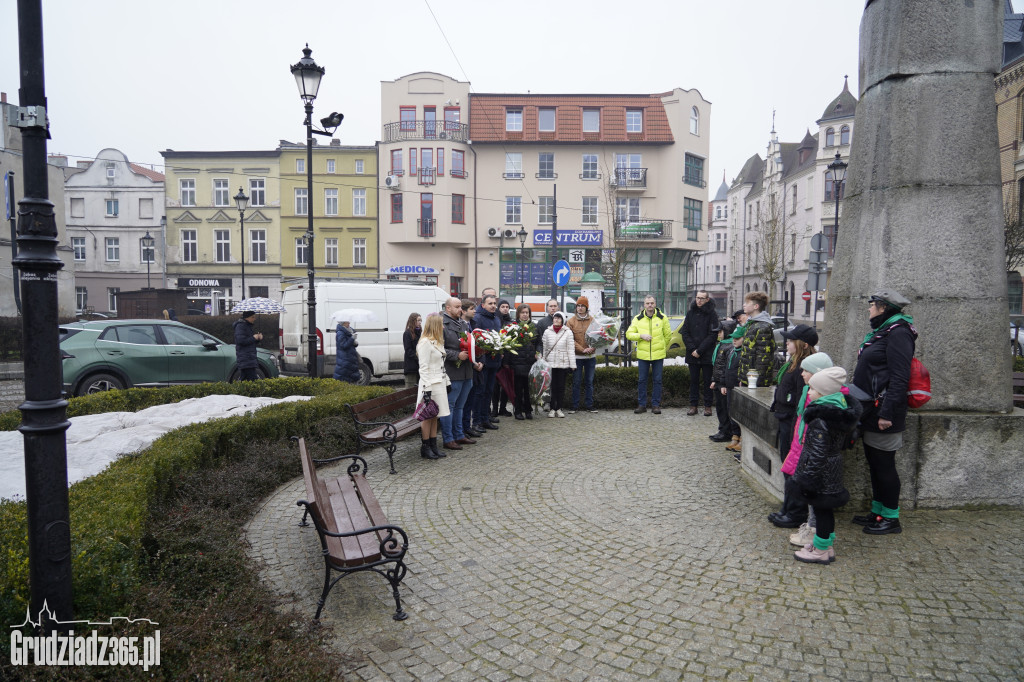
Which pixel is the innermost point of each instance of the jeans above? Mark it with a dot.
(700, 382)
(588, 367)
(485, 388)
(451, 426)
(654, 367)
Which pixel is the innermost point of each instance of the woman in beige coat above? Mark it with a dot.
(560, 353)
(433, 382)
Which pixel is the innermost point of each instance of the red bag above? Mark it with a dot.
(919, 388)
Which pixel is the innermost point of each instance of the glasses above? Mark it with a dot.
(703, 298)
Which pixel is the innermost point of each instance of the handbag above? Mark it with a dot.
(425, 410)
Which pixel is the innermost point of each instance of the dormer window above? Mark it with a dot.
(514, 120)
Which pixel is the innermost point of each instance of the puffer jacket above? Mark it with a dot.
(559, 350)
(660, 331)
(699, 330)
(346, 362)
(758, 350)
(721, 356)
(883, 371)
(787, 395)
(245, 345)
(818, 478)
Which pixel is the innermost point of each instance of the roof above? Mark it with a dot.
(750, 172)
(809, 141)
(148, 172)
(722, 191)
(1013, 34)
(171, 154)
(487, 118)
(842, 106)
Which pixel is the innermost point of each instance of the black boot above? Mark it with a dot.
(425, 450)
(433, 446)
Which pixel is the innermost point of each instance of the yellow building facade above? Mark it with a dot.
(1009, 90)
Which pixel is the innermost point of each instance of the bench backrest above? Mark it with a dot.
(316, 491)
(371, 410)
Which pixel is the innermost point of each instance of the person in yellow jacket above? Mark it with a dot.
(650, 331)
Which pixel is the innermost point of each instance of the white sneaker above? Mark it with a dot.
(560, 413)
(552, 414)
(803, 536)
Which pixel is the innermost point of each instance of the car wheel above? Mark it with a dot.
(98, 383)
(365, 373)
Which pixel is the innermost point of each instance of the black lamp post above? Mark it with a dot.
(838, 169)
(522, 257)
(242, 202)
(307, 78)
(147, 252)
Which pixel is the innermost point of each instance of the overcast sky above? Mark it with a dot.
(143, 76)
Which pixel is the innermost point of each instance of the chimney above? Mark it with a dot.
(3, 98)
(335, 143)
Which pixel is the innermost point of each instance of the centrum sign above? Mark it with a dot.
(569, 237)
(411, 270)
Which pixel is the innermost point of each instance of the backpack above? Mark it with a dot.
(919, 388)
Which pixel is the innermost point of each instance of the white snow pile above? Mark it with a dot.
(94, 441)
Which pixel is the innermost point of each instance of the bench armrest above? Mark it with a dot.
(390, 430)
(353, 468)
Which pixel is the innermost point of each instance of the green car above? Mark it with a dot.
(102, 355)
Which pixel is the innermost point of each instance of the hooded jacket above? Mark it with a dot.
(488, 320)
(700, 331)
(658, 328)
(346, 362)
(758, 350)
(818, 480)
(883, 372)
(245, 345)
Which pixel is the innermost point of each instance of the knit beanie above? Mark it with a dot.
(583, 300)
(828, 380)
(816, 362)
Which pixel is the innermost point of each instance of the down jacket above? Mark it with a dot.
(758, 350)
(346, 363)
(700, 330)
(245, 345)
(818, 479)
(559, 349)
(660, 331)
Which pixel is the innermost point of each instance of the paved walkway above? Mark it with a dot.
(558, 549)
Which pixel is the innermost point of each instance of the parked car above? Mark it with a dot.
(101, 355)
(676, 340)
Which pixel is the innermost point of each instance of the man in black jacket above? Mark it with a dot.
(700, 329)
(245, 346)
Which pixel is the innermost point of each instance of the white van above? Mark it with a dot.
(380, 340)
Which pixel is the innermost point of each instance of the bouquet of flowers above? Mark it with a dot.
(466, 344)
(602, 331)
(496, 341)
(525, 333)
(540, 381)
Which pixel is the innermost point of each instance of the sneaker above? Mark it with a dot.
(552, 414)
(567, 412)
(592, 410)
(812, 555)
(561, 414)
(736, 456)
(802, 537)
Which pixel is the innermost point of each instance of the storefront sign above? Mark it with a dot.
(411, 270)
(569, 237)
(203, 282)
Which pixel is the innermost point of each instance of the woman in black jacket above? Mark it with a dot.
(818, 480)
(411, 336)
(522, 361)
(883, 372)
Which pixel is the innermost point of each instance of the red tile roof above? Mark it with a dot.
(151, 174)
(487, 118)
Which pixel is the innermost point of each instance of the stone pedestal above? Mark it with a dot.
(760, 440)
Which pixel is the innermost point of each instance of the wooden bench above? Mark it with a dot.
(354, 533)
(1018, 389)
(372, 431)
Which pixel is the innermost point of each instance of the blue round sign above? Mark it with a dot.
(560, 273)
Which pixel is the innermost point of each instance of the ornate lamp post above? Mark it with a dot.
(242, 202)
(147, 252)
(307, 78)
(522, 257)
(838, 169)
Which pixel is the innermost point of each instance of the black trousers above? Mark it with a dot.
(558, 376)
(826, 522)
(791, 507)
(700, 384)
(522, 402)
(885, 480)
(722, 410)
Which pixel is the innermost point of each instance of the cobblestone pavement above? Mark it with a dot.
(586, 549)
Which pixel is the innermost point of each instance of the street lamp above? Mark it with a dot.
(838, 169)
(522, 256)
(307, 77)
(242, 202)
(147, 252)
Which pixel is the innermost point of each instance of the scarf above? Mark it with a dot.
(888, 322)
(834, 399)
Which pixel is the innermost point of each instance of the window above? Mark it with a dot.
(634, 120)
(113, 249)
(330, 166)
(426, 221)
(793, 209)
(78, 208)
(514, 119)
(396, 162)
(359, 252)
(78, 246)
(301, 201)
(408, 118)
(81, 298)
(452, 116)
(692, 212)
(179, 336)
(396, 208)
(110, 171)
(591, 120)
(513, 210)
(830, 137)
(440, 160)
(301, 252)
(145, 208)
(330, 202)
(844, 135)
(331, 252)
(112, 208)
(792, 249)
(718, 274)
(694, 170)
(833, 190)
(718, 213)
(359, 202)
(189, 247)
(220, 193)
(459, 209)
(412, 162)
(257, 246)
(627, 210)
(831, 235)
(545, 210)
(222, 243)
(112, 293)
(187, 190)
(257, 192)
(427, 165)
(458, 163)
(300, 165)
(147, 255)
(430, 121)
(359, 167)
(694, 121)
(589, 211)
(546, 119)
(546, 166)
(513, 165)
(589, 167)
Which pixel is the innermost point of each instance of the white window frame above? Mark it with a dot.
(257, 246)
(634, 120)
(301, 251)
(694, 121)
(113, 207)
(330, 201)
(359, 252)
(187, 191)
(300, 165)
(257, 192)
(221, 193)
(111, 170)
(359, 167)
(112, 246)
(513, 165)
(301, 201)
(541, 113)
(591, 126)
(189, 243)
(589, 211)
(78, 247)
(147, 254)
(513, 210)
(540, 166)
(222, 246)
(514, 119)
(112, 293)
(359, 202)
(593, 175)
(545, 210)
(331, 252)
(81, 298)
(330, 165)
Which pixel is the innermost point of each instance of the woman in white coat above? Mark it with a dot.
(560, 353)
(433, 382)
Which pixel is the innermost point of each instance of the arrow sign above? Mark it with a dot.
(560, 273)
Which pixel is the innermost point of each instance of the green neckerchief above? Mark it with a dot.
(898, 317)
(782, 370)
(834, 399)
(720, 344)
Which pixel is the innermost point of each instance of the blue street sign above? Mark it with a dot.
(560, 273)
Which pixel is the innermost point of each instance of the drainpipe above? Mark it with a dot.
(476, 232)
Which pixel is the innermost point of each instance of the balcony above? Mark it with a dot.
(648, 230)
(425, 130)
(629, 178)
(426, 227)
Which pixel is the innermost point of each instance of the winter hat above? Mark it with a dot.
(802, 332)
(828, 380)
(559, 315)
(728, 327)
(816, 362)
(583, 300)
(503, 302)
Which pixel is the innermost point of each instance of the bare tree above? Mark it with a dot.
(619, 262)
(770, 238)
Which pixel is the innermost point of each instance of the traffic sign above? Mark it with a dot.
(818, 242)
(560, 273)
(817, 281)
(806, 296)
(817, 257)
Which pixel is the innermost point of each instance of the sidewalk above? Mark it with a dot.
(558, 549)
